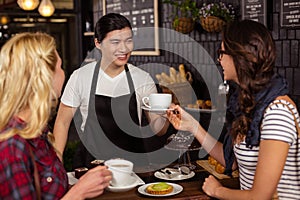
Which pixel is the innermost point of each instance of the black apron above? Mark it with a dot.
(110, 109)
(112, 128)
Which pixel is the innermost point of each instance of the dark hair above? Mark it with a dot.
(108, 23)
(252, 49)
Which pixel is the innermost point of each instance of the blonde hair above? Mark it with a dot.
(27, 65)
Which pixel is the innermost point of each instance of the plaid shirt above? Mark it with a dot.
(16, 167)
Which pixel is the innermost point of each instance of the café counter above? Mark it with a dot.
(192, 188)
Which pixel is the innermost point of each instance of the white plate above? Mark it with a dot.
(176, 190)
(179, 177)
(71, 177)
(156, 110)
(138, 181)
(200, 110)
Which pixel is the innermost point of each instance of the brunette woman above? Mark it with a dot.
(262, 121)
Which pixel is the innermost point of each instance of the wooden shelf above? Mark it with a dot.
(88, 33)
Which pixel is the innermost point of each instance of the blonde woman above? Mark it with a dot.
(31, 78)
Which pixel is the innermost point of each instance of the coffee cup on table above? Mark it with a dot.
(157, 101)
(122, 172)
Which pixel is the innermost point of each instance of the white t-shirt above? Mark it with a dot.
(278, 124)
(77, 91)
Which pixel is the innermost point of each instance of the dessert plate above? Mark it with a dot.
(176, 190)
(174, 177)
(138, 181)
(156, 110)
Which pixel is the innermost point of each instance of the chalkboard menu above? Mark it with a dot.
(255, 10)
(143, 15)
(290, 13)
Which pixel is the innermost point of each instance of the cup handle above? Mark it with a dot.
(145, 101)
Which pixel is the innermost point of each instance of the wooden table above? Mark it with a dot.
(192, 188)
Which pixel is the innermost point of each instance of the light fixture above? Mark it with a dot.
(28, 4)
(46, 8)
(4, 20)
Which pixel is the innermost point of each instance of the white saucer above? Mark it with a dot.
(121, 188)
(179, 177)
(156, 110)
(200, 110)
(137, 182)
(71, 178)
(176, 190)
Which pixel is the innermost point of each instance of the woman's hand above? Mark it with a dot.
(181, 120)
(211, 185)
(91, 184)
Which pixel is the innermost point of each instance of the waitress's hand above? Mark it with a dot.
(91, 184)
(181, 120)
(211, 185)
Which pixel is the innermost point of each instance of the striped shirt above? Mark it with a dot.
(277, 124)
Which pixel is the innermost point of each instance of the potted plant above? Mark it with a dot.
(214, 16)
(186, 12)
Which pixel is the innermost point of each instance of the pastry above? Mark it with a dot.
(173, 74)
(201, 104)
(219, 168)
(96, 163)
(182, 73)
(212, 161)
(206, 104)
(80, 171)
(159, 188)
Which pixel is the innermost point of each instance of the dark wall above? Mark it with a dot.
(286, 40)
(287, 44)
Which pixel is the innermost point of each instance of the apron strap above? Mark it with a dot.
(129, 78)
(94, 86)
(95, 80)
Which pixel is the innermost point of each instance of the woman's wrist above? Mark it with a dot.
(74, 193)
(195, 127)
(199, 133)
(219, 193)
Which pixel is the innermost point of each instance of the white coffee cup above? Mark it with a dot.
(157, 101)
(122, 172)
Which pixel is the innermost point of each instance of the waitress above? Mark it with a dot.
(108, 93)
